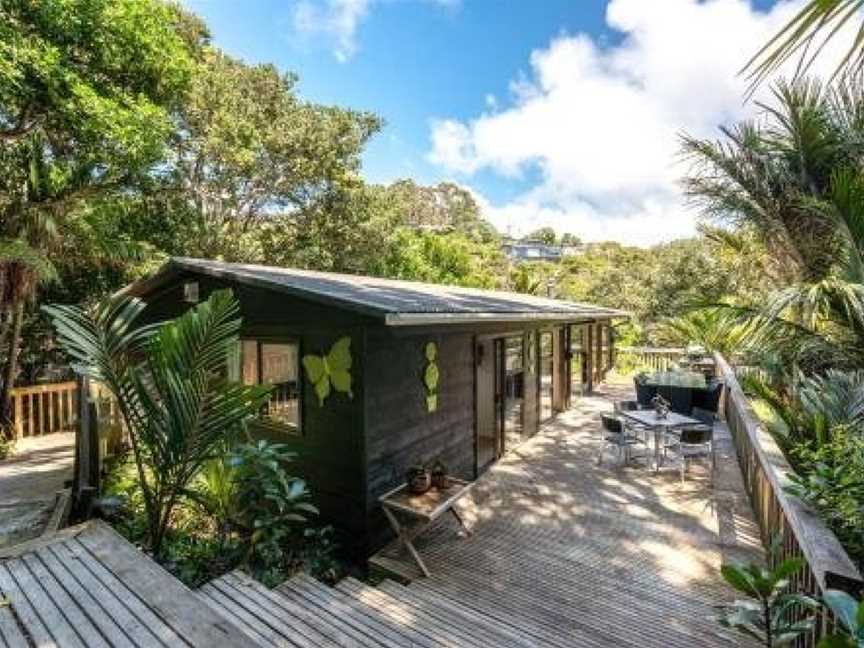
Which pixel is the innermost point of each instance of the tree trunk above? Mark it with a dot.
(10, 371)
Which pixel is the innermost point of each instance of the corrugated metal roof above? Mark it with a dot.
(397, 302)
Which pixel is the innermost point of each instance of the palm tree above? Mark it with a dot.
(169, 383)
(794, 176)
(806, 35)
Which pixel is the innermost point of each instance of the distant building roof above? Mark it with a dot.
(398, 303)
(533, 251)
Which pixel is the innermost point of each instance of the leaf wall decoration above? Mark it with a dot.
(330, 372)
(431, 376)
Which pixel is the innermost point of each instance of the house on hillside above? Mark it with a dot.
(503, 364)
(532, 251)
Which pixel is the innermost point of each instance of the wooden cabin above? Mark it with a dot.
(504, 363)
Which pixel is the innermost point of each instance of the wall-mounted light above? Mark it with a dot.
(190, 292)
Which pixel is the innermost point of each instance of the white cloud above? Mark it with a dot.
(601, 124)
(337, 21)
(334, 19)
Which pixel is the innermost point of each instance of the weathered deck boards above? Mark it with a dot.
(569, 553)
(90, 587)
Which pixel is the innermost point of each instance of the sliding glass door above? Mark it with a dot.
(547, 381)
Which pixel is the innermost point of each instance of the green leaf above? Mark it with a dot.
(430, 377)
(844, 607)
(740, 579)
(431, 351)
(432, 402)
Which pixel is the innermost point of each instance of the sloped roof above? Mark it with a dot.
(397, 302)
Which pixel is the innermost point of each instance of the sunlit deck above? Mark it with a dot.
(569, 553)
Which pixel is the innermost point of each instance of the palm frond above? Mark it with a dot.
(805, 36)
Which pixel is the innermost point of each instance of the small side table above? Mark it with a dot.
(423, 510)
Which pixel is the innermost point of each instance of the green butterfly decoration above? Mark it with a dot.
(430, 377)
(332, 370)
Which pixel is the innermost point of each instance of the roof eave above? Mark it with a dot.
(427, 319)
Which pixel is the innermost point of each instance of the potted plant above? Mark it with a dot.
(419, 479)
(440, 479)
(661, 406)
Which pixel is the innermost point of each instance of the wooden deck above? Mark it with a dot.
(569, 553)
(87, 586)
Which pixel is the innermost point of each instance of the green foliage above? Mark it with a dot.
(850, 614)
(270, 504)
(831, 479)
(805, 35)
(169, 385)
(332, 370)
(714, 329)
(768, 613)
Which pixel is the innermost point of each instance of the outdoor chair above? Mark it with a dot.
(709, 398)
(680, 398)
(696, 441)
(644, 392)
(631, 406)
(615, 435)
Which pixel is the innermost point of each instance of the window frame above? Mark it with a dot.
(259, 420)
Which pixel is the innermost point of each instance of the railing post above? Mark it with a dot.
(86, 479)
(18, 414)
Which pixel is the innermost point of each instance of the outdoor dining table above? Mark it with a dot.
(660, 426)
(422, 511)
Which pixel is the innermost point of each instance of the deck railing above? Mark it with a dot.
(766, 473)
(43, 409)
(657, 359)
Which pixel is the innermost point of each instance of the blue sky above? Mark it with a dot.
(559, 112)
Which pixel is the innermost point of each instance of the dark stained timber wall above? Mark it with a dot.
(399, 429)
(330, 447)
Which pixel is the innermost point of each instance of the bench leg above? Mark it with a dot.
(405, 537)
(460, 521)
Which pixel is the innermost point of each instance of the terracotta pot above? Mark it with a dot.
(440, 480)
(419, 482)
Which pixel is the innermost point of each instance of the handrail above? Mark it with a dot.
(44, 409)
(804, 534)
(660, 359)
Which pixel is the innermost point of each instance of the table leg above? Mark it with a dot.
(658, 437)
(405, 537)
(459, 520)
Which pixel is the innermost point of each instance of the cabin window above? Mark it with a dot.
(276, 364)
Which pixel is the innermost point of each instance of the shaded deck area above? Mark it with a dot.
(568, 553)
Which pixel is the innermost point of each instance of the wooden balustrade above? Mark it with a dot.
(658, 359)
(43, 409)
(804, 534)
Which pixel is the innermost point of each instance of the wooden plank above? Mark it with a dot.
(370, 632)
(249, 595)
(253, 626)
(11, 635)
(402, 635)
(34, 626)
(175, 604)
(101, 612)
(75, 616)
(402, 613)
(481, 626)
(112, 600)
